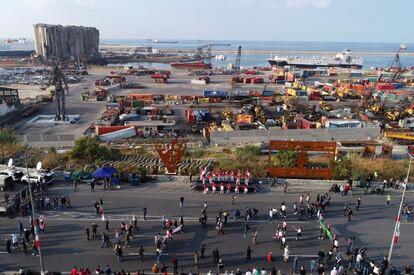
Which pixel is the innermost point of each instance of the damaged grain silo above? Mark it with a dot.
(67, 42)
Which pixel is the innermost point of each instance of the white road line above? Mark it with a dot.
(267, 221)
(135, 254)
(304, 256)
(3, 252)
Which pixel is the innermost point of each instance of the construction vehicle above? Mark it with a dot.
(260, 116)
(395, 66)
(325, 106)
(227, 114)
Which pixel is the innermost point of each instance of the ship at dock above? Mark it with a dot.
(340, 60)
(16, 47)
(194, 65)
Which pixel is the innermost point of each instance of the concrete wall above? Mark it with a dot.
(66, 42)
(261, 136)
(48, 141)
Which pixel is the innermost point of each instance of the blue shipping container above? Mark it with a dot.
(267, 93)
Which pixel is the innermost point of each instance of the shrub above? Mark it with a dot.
(248, 151)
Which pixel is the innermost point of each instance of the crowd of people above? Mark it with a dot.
(338, 260)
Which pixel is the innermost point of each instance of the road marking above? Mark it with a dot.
(161, 254)
(267, 221)
(304, 256)
(4, 252)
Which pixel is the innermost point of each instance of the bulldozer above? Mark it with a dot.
(325, 106)
(259, 114)
(393, 115)
(227, 115)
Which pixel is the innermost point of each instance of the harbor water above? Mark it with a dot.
(260, 59)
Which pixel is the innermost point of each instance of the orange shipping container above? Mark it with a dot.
(244, 119)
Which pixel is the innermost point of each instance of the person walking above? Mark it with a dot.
(286, 254)
(388, 199)
(20, 228)
(269, 257)
(203, 247)
(196, 261)
(248, 254)
(24, 247)
(119, 253)
(349, 214)
(141, 253)
(15, 241)
(105, 240)
(174, 262)
(8, 245)
(246, 229)
(254, 240)
(107, 225)
(181, 201)
(87, 233)
(358, 203)
(144, 213)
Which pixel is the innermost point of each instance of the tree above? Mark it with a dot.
(89, 149)
(7, 140)
(286, 158)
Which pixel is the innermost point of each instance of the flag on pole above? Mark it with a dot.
(397, 232)
(37, 241)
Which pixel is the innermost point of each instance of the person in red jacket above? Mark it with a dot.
(269, 257)
(74, 271)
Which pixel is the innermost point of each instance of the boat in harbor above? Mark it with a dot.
(16, 47)
(164, 41)
(197, 65)
(220, 57)
(341, 60)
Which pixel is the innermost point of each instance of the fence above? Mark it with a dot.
(264, 136)
(48, 141)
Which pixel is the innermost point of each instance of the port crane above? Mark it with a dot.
(208, 46)
(396, 65)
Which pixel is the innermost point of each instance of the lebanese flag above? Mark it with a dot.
(37, 241)
(247, 174)
(397, 232)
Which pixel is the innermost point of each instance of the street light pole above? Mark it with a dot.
(398, 222)
(36, 226)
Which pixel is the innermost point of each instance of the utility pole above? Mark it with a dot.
(36, 226)
(396, 232)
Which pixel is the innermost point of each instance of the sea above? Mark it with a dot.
(260, 60)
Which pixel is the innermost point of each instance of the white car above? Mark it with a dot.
(38, 178)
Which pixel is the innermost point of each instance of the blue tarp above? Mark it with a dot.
(104, 173)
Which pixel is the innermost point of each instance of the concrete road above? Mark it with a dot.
(64, 244)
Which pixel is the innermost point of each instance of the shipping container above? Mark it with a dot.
(267, 93)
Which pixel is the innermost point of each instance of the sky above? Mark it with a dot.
(257, 20)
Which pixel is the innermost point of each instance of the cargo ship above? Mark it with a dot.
(191, 65)
(341, 60)
(16, 47)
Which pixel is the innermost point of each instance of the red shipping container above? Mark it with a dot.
(101, 130)
(385, 86)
